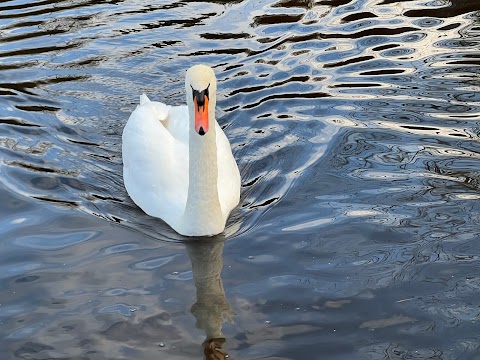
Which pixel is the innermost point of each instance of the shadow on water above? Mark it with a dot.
(355, 125)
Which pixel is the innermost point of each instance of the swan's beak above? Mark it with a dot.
(200, 104)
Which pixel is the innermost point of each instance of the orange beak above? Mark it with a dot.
(201, 116)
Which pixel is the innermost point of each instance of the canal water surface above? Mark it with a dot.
(355, 124)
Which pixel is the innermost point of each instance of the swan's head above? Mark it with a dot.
(201, 85)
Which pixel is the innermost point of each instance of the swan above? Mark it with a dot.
(177, 161)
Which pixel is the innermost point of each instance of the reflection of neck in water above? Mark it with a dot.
(211, 309)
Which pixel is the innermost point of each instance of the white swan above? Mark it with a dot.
(178, 164)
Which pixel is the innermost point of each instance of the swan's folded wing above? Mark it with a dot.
(178, 123)
(173, 118)
(155, 176)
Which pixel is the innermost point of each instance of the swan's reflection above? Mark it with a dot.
(211, 309)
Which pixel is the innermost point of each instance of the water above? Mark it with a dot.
(355, 126)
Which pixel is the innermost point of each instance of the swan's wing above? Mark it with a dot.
(155, 162)
(178, 123)
(173, 118)
(228, 174)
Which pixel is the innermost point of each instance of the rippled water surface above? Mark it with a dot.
(355, 125)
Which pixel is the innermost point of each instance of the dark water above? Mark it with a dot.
(355, 125)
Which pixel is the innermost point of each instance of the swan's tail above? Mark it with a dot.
(144, 99)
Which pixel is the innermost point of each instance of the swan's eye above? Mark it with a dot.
(206, 91)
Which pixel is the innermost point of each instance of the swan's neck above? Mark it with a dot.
(202, 210)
